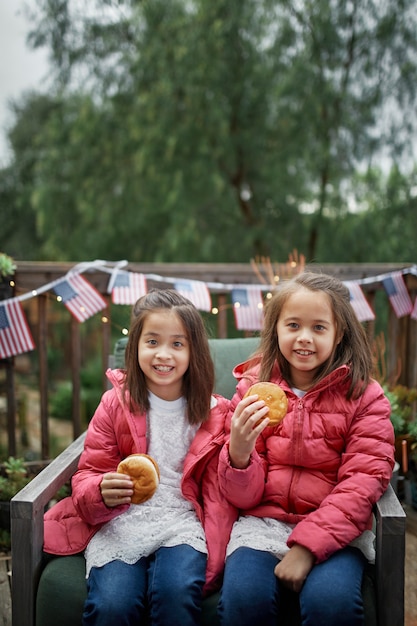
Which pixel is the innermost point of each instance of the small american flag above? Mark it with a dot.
(128, 287)
(80, 297)
(15, 336)
(397, 293)
(248, 308)
(359, 303)
(196, 291)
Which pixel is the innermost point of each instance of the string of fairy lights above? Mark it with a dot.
(269, 275)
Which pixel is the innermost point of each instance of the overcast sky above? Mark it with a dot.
(20, 68)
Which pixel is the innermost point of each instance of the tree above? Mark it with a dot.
(19, 234)
(346, 63)
(203, 130)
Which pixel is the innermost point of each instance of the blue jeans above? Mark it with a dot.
(331, 594)
(167, 586)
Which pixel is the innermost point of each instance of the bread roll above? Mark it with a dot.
(144, 472)
(274, 397)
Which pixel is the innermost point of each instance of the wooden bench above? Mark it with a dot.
(383, 587)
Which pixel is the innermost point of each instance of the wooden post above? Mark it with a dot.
(43, 373)
(6, 292)
(370, 326)
(411, 339)
(222, 317)
(11, 406)
(75, 372)
(105, 342)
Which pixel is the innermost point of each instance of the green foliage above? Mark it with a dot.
(199, 123)
(7, 265)
(60, 404)
(403, 413)
(91, 391)
(5, 540)
(14, 479)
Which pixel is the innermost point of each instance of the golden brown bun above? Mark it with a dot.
(144, 472)
(274, 397)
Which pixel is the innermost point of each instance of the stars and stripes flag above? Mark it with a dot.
(248, 308)
(196, 291)
(15, 335)
(359, 303)
(128, 287)
(397, 293)
(80, 297)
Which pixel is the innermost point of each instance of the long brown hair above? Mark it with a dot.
(353, 349)
(198, 380)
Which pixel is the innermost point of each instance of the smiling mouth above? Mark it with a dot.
(304, 352)
(163, 368)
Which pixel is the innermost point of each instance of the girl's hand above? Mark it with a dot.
(116, 489)
(295, 567)
(245, 429)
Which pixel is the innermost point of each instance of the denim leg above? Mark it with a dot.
(116, 594)
(250, 592)
(332, 592)
(175, 584)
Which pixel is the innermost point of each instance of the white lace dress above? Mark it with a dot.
(167, 519)
(271, 535)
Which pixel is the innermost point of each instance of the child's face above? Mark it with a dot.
(306, 334)
(164, 354)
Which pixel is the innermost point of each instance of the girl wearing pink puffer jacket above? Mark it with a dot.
(306, 487)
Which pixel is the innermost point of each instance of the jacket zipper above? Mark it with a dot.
(297, 455)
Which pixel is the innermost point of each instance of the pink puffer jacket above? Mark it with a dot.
(322, 468)
(114, 433)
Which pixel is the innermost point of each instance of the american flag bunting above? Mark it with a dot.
(15, 335)
(359, 303)
(248, 308)
(80, 297)
(196, 291)
(397, 293)
(128, 287)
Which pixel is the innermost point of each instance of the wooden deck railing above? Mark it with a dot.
(401, 334)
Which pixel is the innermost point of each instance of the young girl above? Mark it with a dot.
(151, 559)
(307, 486)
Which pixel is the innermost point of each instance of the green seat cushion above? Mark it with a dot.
(62, 592)
(226, 354)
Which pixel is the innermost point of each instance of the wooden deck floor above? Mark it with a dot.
(5, 587)
(410, 577)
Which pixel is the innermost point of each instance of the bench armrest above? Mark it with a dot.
(390, 559)
(26, 514)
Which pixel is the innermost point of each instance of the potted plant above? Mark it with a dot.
(13, 478)
(404, 420)
(403, 414)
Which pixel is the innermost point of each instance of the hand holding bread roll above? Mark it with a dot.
(274, 397)
(144, 473)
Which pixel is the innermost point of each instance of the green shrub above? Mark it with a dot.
(14, 478)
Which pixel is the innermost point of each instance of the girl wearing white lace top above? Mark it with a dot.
(152, 562)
